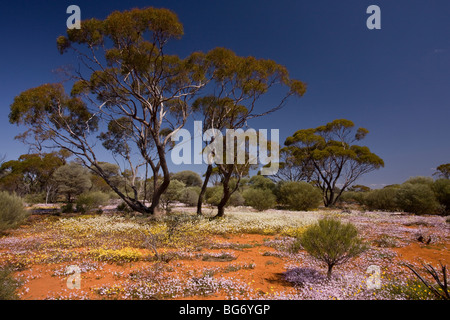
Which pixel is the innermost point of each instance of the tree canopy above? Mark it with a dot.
(333, 153)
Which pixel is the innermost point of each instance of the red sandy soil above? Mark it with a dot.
(265, 277)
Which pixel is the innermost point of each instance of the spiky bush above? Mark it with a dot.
(12, 211)
(332, 242)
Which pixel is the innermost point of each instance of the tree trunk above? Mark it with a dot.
(166, 180)
(203, 190)
(226, 195)
(330, 269)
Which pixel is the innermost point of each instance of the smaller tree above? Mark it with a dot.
(72, 179)
(334, 156)
(332, 242)
(443, 171)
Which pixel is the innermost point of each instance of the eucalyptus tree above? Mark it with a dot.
(125, 81)
(237, 87)
(443, 171)
(336, 158)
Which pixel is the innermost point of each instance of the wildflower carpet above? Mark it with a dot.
(246, 255)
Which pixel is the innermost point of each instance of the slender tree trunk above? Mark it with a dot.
(226, 194)
(203, 190)
(166, 180)
(330, 269)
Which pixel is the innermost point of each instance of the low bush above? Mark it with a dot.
(382, 199)
(332, 242)
(353, 197)
(12, 211)
(35, 198)
(189, 196)
(299, 196)
(259, 199)
(417, 198)
(91, 200)
(441, 190)
(68, 208)
(214, 195)
(123, 207)
(8, 285)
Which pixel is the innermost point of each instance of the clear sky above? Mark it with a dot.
(394, 81)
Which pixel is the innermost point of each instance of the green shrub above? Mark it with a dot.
(35, 198)
(189, 178)
(8, 285)
(68, 208)
(91, 200)
(417, 198)
(12, 211)
(382, 199)
(259, 199)
(299, 196)
(441, 190)
(420, 180)
(236, 200)
(261, 182)
(350, 197)
(123, 207)
(332, 242)
(172, 194)
(213, 196)
(189, 196)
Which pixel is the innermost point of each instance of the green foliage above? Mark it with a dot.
(420, 180)
(330, 150)
(353, 197)
(172, 194)
(189, 196)
(123, 207)
(259, 199)
(261, 182)
(443, 171)
(417, 198)
(72, 180)
(189, 178)
(8, 285)
(68, 208)
(441, 190)
(332, 242)
(31, 173)
(299, 195)
(12, 211)
(382, 199)
(91, 200)
(236, 199)
(34, 198)
(214, 195)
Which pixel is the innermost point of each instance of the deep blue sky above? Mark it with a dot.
(394, 81)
